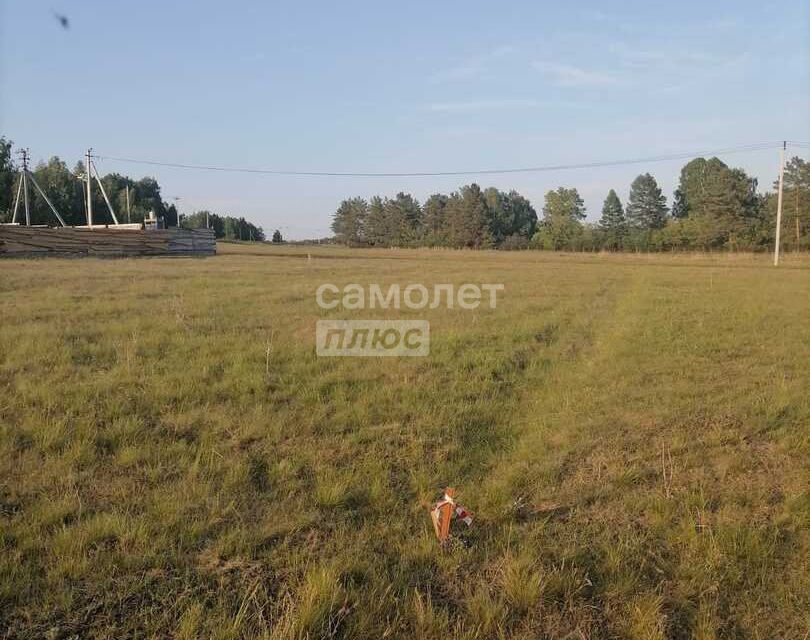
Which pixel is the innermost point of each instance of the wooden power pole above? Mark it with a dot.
(24, 154)
(129, 213)
(798, 228)
(88, 169)
(779, 204)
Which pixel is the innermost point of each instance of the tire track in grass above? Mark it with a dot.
(617, 549)
(562, 342)
(512, 487)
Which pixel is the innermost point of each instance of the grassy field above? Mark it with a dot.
(631, 432)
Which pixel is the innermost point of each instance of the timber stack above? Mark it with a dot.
(23, 241)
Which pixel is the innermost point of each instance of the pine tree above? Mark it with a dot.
(349, 220)
(797, 202)
(469, 218)
(403, 217)
(613, 221)
(680, 207)
(729, 202)
(376, 228)
(433, 219)
(696, 177)
(647, 206)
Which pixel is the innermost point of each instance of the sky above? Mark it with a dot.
(400, 87)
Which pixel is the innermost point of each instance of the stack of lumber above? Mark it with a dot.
(32, 241)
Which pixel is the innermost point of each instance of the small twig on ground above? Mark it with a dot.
(700, 523)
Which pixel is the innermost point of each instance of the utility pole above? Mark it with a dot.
(17, 200)
(24, 154)
(22, 189)
(798, 231)
(177, 209)
(779, 204)
(23, 177)
(129, 216)
(89, 190)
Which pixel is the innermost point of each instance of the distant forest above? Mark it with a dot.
(714, 207)
(66, 191)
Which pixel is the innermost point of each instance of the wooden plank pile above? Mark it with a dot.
(36, 241)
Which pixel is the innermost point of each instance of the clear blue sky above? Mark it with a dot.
(383, 86)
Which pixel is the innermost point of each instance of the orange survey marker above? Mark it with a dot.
(444, 511)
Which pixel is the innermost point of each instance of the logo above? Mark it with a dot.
(371, 338)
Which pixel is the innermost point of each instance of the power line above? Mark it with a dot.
(418, 174)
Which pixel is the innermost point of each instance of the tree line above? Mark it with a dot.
(226, 227)
(132, 200)
(713, 207)
(469, 217)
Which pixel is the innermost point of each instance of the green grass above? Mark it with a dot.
(631, 432)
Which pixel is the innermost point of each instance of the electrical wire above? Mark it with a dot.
(419, 174)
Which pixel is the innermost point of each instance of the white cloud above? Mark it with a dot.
(461, 72)
(484, 105)
(473, 67)
(567, 75)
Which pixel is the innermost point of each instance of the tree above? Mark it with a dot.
(563, 213)
(148, 198)
(680, 209)
(796, 201)
(647, 206)
(205, 219)
(521, 216)
(117, 187)
(348, 221)
(241, 229)
(696, 176)
(65, 193)
(376, 227)
(172, 216)
(720, 204)
(277, 239)
(434, 213)
(613, 222)
(200, 220)
(403, 220)
(227, 227)
(564, 203)
(7, 179)
(512, 215)
(468, 219)
(729, 203)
